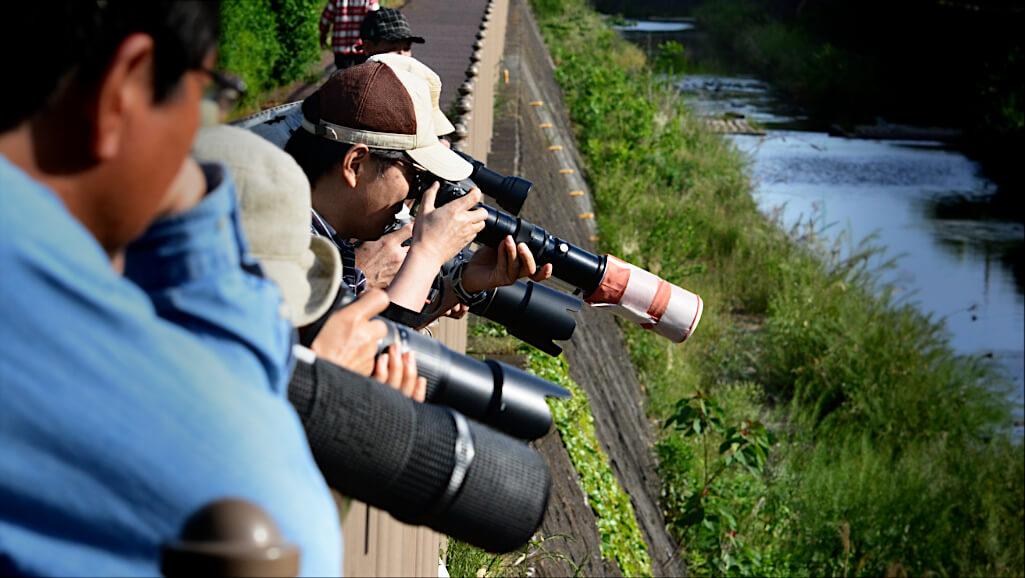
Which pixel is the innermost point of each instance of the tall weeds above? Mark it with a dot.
(895, 454)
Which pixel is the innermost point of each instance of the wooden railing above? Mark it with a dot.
(375, 543)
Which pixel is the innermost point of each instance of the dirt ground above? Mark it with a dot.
(525, 145)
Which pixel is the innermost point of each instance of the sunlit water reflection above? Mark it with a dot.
(909, 196)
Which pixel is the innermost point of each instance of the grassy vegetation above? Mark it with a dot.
(271, 44)
(894, 455)
(621, 538)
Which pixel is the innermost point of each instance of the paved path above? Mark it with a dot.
(450, 29)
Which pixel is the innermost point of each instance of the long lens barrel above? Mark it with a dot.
(535, 314)
(606, 281)
(424, 464)
(570, 263)
(490, 391)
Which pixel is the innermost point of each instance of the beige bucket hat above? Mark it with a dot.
(274, 201)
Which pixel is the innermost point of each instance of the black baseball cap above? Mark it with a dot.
(387, 24)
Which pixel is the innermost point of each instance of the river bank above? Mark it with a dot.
(952, 246)
(871, 471)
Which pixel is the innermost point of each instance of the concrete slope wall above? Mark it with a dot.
(533, 139)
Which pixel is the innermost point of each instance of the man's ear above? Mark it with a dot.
(125, 87)
(356, 160)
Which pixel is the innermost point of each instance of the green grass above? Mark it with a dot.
(894, 455)
(621, 538)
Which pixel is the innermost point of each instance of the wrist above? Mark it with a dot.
(473, 283)
(467, 292)
(421, 253)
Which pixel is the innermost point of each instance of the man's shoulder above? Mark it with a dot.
(40, 242)
(32, 210)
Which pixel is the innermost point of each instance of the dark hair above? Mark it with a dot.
(316, 155)
(50, 43)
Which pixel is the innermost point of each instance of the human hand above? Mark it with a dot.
(398, 370)
(457, 311)
(188, 188)
(490, 268)
(380, 260)
(440, 233)
(349, 337)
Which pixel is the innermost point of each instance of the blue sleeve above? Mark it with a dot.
(116, 422)
(196, 270)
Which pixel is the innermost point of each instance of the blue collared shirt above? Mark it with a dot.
(126, 405)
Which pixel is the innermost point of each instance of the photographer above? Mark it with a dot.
(370, 442)
(366, 142)
(129, 403)
(274, 200)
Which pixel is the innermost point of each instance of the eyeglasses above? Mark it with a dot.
(226, 89)
(418, 177)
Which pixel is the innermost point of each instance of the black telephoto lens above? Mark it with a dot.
(424, 464)
(533, 313)
(489, 391)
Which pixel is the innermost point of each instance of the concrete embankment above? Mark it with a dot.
(533, 139)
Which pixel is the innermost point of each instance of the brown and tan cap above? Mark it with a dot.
(387, 108)
(442, 126)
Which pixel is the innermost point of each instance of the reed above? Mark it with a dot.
(882, 428)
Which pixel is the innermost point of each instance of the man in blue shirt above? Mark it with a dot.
(128, 404)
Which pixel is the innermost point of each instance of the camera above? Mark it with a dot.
(605, 281)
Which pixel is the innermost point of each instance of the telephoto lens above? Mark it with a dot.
(605, 281)
(424, 464)
(535, 314)
(490, 391)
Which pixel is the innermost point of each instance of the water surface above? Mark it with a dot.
(915, 198)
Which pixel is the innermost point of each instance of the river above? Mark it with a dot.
(926, 204)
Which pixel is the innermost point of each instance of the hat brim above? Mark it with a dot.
(414, 39)
(307, 301)
(325, 277)
(442, 161)
(442, 126)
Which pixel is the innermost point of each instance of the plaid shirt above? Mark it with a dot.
(351, 275)
(343, 17)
